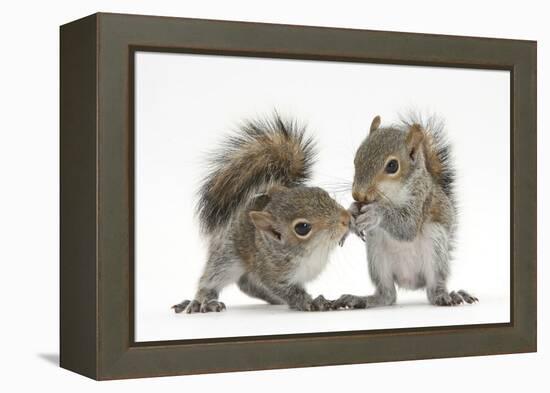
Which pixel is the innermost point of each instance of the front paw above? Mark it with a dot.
(321, 304)
(309, 304)
(354, 209)
(369, 218)
(349, 302)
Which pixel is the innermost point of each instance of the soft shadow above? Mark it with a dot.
(52, 358)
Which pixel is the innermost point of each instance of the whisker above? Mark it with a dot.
(336, 182)
(338, 190)
(335, 186)
(338, 185)
(337, 178)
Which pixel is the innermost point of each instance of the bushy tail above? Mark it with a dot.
(436, 149)
(272, 151)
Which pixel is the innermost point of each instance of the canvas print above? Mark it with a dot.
(283, 196)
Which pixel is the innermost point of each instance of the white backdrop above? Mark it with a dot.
(185, 104)
(29, 163)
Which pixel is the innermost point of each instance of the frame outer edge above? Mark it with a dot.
(526, 193)
(117, 357)
(78, 197)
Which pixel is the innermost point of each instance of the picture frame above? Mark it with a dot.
(97, 196)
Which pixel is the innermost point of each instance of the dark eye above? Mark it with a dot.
(302, 228)
(392, 166)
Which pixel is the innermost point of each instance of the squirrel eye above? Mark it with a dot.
(302, 228)
(392, 166)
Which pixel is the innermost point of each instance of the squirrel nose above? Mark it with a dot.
(359, 196)
(364, 197)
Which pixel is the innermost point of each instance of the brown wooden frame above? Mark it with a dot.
(96, 268)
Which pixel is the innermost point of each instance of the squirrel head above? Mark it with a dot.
(386, 162)
(300, 217)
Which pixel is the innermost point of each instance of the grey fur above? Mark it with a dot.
(249, 204)
(253, 287)
(409, 221)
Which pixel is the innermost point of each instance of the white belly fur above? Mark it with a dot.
(409, 264)
(310, 266)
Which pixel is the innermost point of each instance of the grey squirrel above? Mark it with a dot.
(266, 230)
(405, 210)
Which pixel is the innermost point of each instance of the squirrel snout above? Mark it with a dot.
(358, 196)
(364, 198)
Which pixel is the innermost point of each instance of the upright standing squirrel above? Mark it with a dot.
(405, 210)
(266, 231)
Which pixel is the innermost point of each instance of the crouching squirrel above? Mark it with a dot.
(266, 230)
(405, 210)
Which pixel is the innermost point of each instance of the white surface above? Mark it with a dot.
(413, 311)
(185, 104)
(29, 198)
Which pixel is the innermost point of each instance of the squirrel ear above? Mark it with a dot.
(263, 221)
(414, 139)
(375, 123)
(259, 201)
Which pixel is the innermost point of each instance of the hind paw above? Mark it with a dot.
(194, 306)
(467, 297)
(453, 298)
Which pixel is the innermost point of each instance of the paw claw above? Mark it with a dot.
(456, 299)
(467, 297)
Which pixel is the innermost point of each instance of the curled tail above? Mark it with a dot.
(437, 151)
(272, 151)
